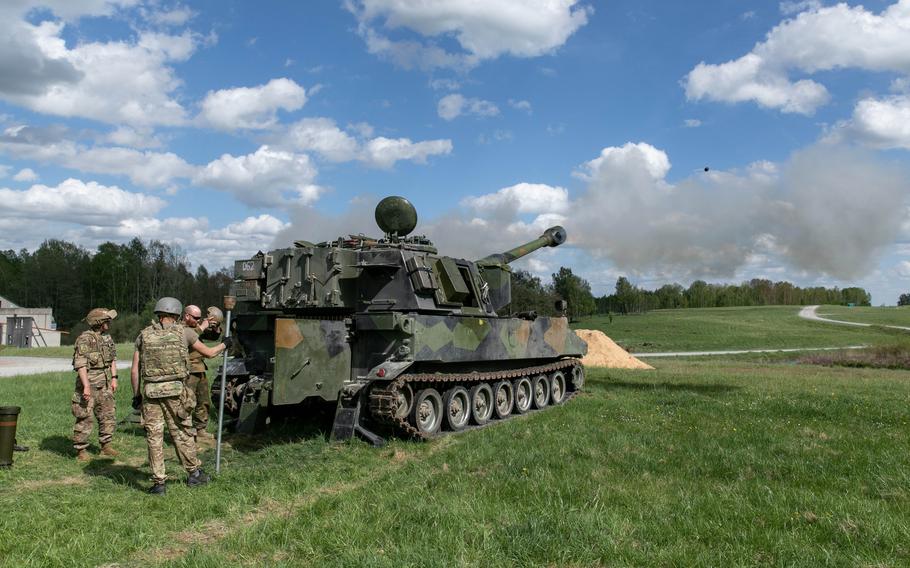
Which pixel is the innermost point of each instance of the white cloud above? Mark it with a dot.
(116, 82)
(903, 269)
(267, 177)
(383, 152)
(176, 16)
(523, 198)
(452, 106)
(26, 174)
(627, 161)
(445, 85)
(520, 105)
(322, 135)
(483, 30)
(692, 123)
(790, 7)
(133, 137)
(50, 145)
(252, 107)
(820, 39)
(76, 201)
(883, 123)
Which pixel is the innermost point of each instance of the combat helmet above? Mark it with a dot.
(214, 314)
(98, 316)
(169, 306)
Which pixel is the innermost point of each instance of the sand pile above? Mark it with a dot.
(603, 352)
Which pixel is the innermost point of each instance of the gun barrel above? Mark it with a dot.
(552, 237)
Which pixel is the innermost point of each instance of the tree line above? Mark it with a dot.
(529, 293)
(126, 277)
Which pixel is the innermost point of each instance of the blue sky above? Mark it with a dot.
(228, 127)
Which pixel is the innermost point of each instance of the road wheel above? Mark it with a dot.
(457, 406)
(541, 389)
(481, 403)
(504, 399)
(405, 401)
(578, 377)
(521, 387)
(426, 414)
(557, 387)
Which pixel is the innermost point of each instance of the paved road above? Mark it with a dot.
(809, 313)
(741, 351)
(13, 366)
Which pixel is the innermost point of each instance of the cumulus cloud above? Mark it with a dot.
(452, 106)
(267, 177)
(817, 39)
(251, 107)
(323, 137)
(883, 123)
(520, 105)
(26, 174)
(383, 152)
(51, 145)
(484, 30)
(128, 82)
(521, 198)
(76, 201)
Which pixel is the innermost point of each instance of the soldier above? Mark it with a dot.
(160, 360)
(95, 363)
(206, 328)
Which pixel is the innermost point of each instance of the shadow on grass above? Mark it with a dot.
(287, 425)
(128, 475)
(60, 445)
(685, 387)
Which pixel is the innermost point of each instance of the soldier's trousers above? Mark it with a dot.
(173, 412)
(199, 384)
(101, 405)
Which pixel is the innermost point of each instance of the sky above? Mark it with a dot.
(721, 140)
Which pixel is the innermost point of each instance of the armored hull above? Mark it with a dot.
(399, 337)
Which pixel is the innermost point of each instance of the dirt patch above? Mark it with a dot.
(603, 352)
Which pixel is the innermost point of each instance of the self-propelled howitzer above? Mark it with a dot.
(398, 336)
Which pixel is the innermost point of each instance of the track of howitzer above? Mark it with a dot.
(385, 401)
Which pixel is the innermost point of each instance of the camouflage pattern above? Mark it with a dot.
(198, 384)
(95, 352)
(324, 320)
(175, 414)
(163, 354)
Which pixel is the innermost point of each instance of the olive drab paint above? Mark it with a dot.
(330, 321)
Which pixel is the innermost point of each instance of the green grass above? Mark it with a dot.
(766, 327)
(879, 316)
(124, 351)
(698, 463)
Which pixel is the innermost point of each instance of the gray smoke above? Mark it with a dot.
(829, 210)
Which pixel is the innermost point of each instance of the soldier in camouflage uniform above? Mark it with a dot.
(161, 361)
(208, 328)
(95, 363)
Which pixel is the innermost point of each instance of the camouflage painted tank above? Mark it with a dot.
(399, 337)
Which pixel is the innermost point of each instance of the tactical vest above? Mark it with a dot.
(163, 356)
(97, 348)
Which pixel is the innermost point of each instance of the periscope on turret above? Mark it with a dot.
(401, 339)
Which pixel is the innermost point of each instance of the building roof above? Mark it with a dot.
(5, 303)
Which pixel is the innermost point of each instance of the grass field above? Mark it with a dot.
(698, 463)
(880, 316)
(124, 351)
(743, 461)
(765, 327)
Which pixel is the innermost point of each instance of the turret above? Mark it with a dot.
(552, 237)
(497, 273)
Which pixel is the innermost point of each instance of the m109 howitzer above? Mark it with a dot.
(396, 335)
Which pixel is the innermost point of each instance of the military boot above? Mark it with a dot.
(198, 477)
(109, 451)
(158, 489)
(83, 455)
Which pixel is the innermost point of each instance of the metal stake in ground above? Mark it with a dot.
(229, 302)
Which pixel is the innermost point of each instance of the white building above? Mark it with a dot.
(29, 327)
